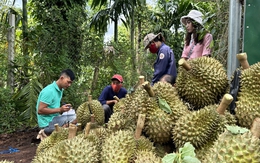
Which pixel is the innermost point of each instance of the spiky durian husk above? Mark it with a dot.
(147, 157)
(54, 138)
(231, 148)
(248, 100)
(118, 147)
(158, 123)
(78, 150)
(83, 114)
(119, 106)
(144, 143)
(98, 111)
(169, 93)
(204, 84)
(5, 161)
(199, 128)
(136, 103)
(121, 121)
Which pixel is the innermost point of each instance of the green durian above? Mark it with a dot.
(118, 147)
(83, 114)
(147, 157)
(248, 100)
(203, 83)
(121, 121)
(5, 161)
(234, 148)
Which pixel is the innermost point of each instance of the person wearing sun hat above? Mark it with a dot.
(197, 40)
(165, 61)
(106, 97)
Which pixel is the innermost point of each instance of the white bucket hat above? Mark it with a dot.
(195, 15)
(149, 38)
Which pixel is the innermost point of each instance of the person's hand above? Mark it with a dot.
(115, 101)
(65, 108)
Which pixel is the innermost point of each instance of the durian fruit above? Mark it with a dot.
(234, 146)
(88, 109)
(96, 109)
(83, 114)
(144, 143)
(118, 147)
(5, 161)
(201, 81)
(248, 100)
(167, 92)
(147, 157)
(202, 126)
(56, 136)
(120, 121)
(76, 150)
(120, 105)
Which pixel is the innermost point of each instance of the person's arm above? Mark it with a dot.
(43, 109)
(185, 52)
(206, 45)
(103, 97)
(160, 66)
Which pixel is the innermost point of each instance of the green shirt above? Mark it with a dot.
(50, 95)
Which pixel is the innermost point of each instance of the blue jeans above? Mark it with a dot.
(60, 120)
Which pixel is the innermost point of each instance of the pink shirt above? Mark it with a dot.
(198, 50)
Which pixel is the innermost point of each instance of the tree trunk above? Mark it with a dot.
(25, 40)
(116, 29)
(132, 35)
(139, 38)
(95, 79)
(11, 38)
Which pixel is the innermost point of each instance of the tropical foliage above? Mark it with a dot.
(52, 35)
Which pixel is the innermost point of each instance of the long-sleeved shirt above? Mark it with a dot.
(164, 64)
(108, 94)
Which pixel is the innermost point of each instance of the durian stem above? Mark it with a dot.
(87, 129)
(116, 98)
(182, 62)
(148, 88)
(141, 80)
(57, 128)
(255, 129)
(79, 126)
(139, 126)
(242, 57)
(226, 100)
(89, 98)
(92, 118)
(72, 131)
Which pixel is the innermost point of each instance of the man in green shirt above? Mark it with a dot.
(48, 108)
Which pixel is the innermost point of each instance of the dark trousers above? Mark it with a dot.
(108, 112)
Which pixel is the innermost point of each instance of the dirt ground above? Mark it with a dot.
(25, 141)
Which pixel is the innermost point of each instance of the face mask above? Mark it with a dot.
(153, 48)
(116, 87)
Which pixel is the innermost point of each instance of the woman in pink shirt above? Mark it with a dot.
(197, 41)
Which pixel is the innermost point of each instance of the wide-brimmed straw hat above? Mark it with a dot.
(149, 38)
(194, 15)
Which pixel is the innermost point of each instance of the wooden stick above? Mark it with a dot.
(148, 88)
(72, 131)
(89, 98)
(226, 100)
(87, 129)
(242, 57)
(255, 129)
(141, 80)
(57, 128)
(79, 126)
(92, 118)
(139, 126)
(182, 62)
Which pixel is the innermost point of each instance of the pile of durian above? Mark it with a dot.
(157, 120)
